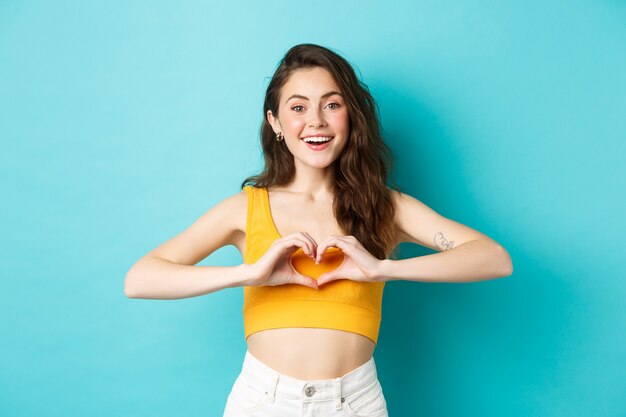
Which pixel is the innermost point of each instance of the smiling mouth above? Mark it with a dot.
(317, 139)
(317, 143)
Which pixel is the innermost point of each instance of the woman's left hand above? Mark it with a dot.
(358, 264)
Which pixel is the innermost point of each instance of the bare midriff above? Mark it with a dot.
(311, 353)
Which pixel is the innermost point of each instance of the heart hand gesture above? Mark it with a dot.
(275, 268)
(358, 264)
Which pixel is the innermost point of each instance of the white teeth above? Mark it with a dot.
(318, 139)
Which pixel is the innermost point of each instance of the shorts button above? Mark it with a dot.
(309, 391)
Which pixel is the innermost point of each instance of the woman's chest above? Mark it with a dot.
(316, 219)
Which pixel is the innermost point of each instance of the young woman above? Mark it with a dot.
(317, 230)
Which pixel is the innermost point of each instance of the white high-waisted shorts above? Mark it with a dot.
(261, 391)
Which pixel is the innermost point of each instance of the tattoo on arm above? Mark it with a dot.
(442, 243)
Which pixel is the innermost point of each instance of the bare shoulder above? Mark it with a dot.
(397, 196)
(231, 211)
(401, 200)
(221, 225)
(235, 207)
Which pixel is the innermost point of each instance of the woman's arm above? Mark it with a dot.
(169, 271)
(156, 278)
(465, 254)
(477, 260)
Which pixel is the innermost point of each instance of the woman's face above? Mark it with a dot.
(311, 104)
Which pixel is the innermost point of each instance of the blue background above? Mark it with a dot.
(122, 122)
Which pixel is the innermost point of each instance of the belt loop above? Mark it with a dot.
(337, 389)
(271, 392)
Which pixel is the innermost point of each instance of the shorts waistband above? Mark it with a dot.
(274, 382)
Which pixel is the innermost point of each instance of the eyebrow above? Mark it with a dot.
(330, 93)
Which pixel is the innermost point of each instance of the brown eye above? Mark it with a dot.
(337, 105)
(295, 108)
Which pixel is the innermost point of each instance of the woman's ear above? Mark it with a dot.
(273, 121)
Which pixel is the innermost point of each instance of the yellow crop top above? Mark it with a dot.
(343, 304)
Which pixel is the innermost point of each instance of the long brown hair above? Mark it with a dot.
(363, 204)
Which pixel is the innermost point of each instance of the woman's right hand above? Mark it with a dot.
(274, 267)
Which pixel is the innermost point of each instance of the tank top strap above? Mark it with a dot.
(260, 231)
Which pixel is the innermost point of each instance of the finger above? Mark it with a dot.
(330, 242)
(305, 244)
(313, 244)
(298, 242)
(310, 243)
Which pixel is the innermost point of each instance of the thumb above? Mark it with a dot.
(325, 277)
(307, 281)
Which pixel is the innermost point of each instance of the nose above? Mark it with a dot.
(316, 119)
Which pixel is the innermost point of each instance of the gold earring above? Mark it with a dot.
(279, 137)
